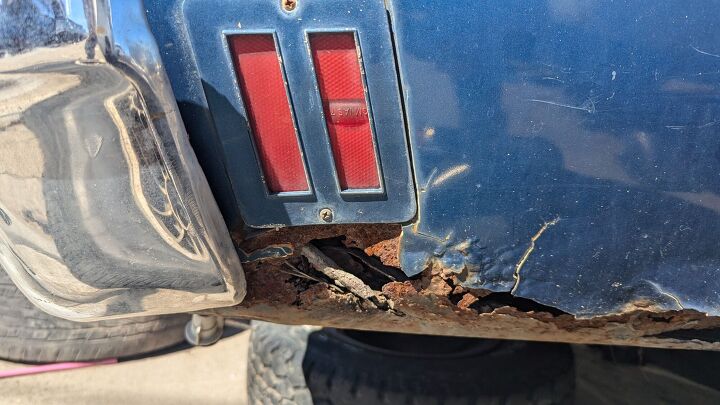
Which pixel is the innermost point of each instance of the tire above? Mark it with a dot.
(28, 334)
(275, 361)
(296, 365)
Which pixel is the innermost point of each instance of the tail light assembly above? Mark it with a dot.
(306, 106)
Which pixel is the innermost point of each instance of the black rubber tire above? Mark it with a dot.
(28, 334)
(296, 365)
(275, 374)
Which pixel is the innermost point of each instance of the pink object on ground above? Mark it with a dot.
(46, 368)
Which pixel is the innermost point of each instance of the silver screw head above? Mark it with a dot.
(326, 214)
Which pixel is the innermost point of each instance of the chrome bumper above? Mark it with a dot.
(104, 209)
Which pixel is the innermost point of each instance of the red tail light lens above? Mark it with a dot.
(337, 66)
(257, 65)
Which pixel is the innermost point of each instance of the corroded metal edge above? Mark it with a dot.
(436, 303)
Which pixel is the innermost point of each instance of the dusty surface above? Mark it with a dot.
(201, 375)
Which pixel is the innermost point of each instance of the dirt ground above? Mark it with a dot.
(197, 375)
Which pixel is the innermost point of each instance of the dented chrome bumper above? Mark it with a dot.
(104, 210)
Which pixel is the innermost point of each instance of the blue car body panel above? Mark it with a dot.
(566, 151)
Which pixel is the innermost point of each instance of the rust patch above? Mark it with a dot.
(270, 286)
(379, 240)
(387, 250)
(467, 300)
(433, 304)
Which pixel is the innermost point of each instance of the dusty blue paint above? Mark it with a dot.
(601, 116)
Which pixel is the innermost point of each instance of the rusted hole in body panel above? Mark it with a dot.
(380, 240)
(434, 302)
(276, 296)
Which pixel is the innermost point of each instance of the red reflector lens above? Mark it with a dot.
(260, 77)
(337, 67)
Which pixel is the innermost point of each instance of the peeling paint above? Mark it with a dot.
(449, 174)
(529, 250)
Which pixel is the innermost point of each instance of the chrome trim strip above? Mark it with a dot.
(105, 211)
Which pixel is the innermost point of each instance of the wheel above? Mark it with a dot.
(28, 334)
(299, 365)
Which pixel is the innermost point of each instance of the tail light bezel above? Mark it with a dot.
(210, 21)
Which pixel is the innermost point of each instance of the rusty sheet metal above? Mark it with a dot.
(436, 302)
